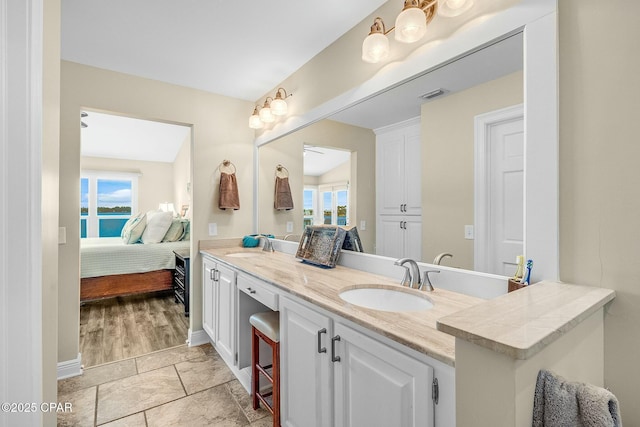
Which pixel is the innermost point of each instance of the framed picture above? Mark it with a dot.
(184, 210)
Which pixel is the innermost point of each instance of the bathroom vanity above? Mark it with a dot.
(345, 365)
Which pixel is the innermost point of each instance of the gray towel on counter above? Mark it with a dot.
(560, 403)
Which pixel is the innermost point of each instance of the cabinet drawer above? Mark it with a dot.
(258, 291)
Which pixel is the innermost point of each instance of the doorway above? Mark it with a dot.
(499, 190)
(131, 168)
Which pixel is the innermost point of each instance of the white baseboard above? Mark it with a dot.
(70, 368)
(197, 338)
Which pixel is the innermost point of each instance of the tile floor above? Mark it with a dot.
(181, 386)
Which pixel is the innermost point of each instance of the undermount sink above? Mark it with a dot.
(244, 254)
(386, 298)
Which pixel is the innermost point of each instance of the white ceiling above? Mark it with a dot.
(119, 137)
(403, 101)
(320, 160)
(235, 48)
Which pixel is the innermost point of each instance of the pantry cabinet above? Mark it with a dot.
(398, 191)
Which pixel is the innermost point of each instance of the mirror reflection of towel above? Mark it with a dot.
(282, 199)
(229, 198)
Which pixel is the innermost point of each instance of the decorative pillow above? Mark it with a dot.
(158, 223)
(133, 228)
(187, 229)
(175, 231)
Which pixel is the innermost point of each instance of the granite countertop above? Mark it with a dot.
(321, 287)
(522, 323)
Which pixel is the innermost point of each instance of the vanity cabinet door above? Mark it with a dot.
(399, 236)
(208, 289)
(306, 379)
(225, 313)
(376, 385)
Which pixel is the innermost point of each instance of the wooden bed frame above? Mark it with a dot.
(92, 288)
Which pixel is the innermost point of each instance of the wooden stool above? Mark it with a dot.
(266, 326)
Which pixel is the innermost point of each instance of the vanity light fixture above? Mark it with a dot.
(272, 107)
(411, 25)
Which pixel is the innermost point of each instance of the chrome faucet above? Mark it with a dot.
(267, 246)
(426, 283)
(438, 259)
(413, 272)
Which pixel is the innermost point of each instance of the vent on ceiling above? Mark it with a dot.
(433, 94)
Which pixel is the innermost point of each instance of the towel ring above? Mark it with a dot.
(281, 172)
(227, 164)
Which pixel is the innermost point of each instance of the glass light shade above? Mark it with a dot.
(451, 8)
(411, 25)
(278, 107)
(375, 48)
(266, 116)
(255, 122)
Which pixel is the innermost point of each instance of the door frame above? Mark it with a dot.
(482, 128)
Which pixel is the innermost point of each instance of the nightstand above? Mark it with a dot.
(181, 279)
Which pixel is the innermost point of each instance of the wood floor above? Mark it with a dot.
(122, 327)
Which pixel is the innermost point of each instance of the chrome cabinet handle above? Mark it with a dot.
(400, 225)
(251, 291)
(320, 348)
(334, 358)
(211, 275)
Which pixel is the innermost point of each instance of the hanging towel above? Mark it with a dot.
(282, 199)
(559, 403)
(229, 198)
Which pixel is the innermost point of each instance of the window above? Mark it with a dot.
(334, 199)
(310, 201)
(107, 200)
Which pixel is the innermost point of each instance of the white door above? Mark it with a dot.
(225, 314)
(500, 192)
(377, 386)
(412, 230)
(208, 289)
(390, 236)
(412, 172)
(306, 380)
(391, 172)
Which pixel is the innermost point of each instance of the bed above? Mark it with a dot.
(110, 268)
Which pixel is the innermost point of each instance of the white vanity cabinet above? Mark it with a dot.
(334, 375)
(218, 308)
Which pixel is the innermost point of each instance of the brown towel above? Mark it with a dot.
(229, 198)
(282, 199)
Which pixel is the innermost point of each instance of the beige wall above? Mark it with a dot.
(49, 203)
(219, 132)
(288, 153)
(447, 131)
(326, 133)
(155, 182)
(599, 175)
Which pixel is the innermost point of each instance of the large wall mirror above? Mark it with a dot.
(485, 79)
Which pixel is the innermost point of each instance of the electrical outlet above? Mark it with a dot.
(363, 225)
(289, 226)
(213, 229)
(468, 232)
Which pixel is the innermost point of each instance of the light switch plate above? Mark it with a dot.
(289, 226)
(468, 232)
(213, 229)
(363, 225)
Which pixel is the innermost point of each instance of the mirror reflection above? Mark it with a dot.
(411, 187)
